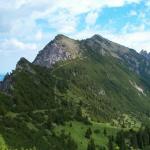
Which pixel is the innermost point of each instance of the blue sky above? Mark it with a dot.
(26, 26)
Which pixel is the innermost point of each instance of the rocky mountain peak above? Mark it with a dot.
(145, 54)
(97, 36)
(104, 46)
(60, 37)
(59, 49)
(22, 63)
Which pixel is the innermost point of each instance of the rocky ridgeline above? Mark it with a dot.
(145, 54)
(64, 48)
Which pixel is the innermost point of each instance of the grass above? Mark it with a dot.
(78, 129)
(2, 143)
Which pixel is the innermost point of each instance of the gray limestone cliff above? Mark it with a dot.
(60, 49)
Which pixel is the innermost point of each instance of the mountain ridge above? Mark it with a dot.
(70, 49)
(63, 43)
(63, 48)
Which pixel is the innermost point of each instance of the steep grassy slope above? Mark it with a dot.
(104, 87)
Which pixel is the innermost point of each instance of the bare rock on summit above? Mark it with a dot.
(104, 46)
(60, 49)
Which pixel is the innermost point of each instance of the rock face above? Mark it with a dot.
(105, 46)
(145, 54)
(61, 48)
(137, 62)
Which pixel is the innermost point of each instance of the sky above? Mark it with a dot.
(26, 26)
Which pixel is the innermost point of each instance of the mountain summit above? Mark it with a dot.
(106, 46)
(61, 48)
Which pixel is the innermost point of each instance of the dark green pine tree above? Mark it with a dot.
(148, 132)
(105, 132)
(140, 139)
(145, 137)
(88, 133)
(91, 145)
(133, 139)
(120, 140)
(79, 114)
(110, 143)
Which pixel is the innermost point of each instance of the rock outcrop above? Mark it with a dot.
(60, 49)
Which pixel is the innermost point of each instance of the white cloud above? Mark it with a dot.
(137, 40)
(25, 12)
(91, 18)
(39, 35)
(132, 13)
(147, 3)
(12, 49)
(63, 22)
(14, 45)
(129, 28)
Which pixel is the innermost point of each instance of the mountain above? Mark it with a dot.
(1, 77)
(72, 86)
(63, 48)
(145, 54)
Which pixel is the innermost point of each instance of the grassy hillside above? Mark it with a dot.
(78, 130)
(104, 87)
(71, 96)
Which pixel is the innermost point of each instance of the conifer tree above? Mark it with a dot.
(91, 145)
(88, 133)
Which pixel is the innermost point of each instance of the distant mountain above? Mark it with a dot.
(72, 86)
(1, 77)
(145, 54)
